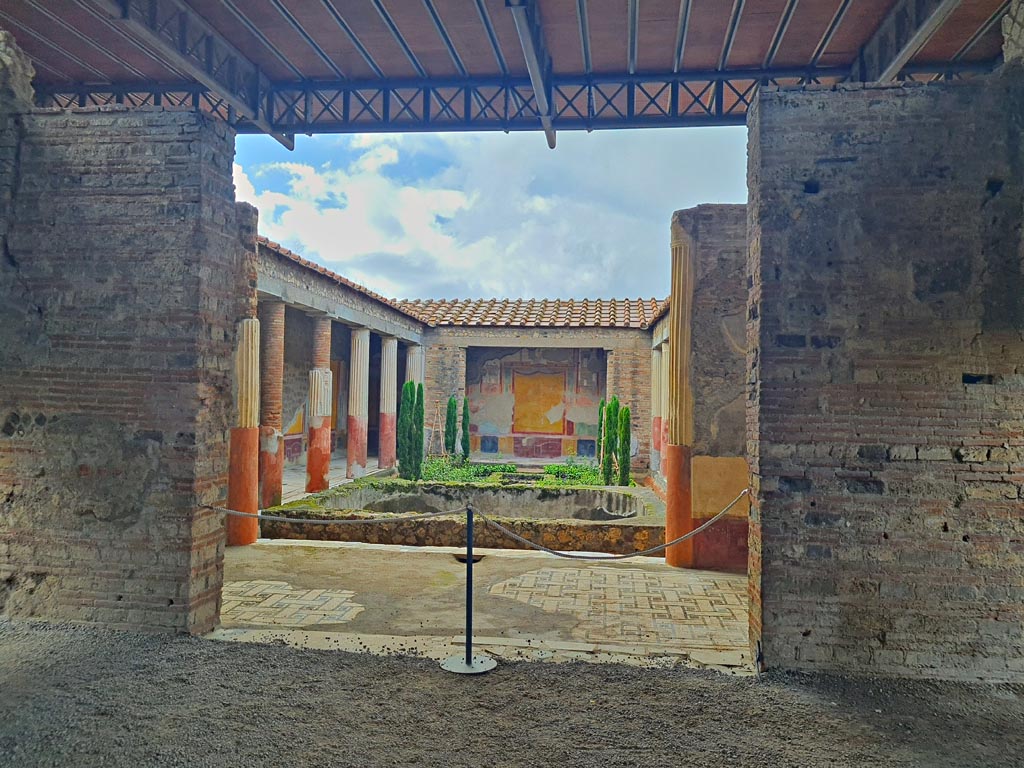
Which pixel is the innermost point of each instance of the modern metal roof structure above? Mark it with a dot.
(286, 67)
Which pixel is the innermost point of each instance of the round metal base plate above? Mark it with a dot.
(458, 665)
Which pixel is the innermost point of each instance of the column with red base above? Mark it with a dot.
(358, 401)
(318, 410)
(243, 448)
(271, 314)
(388, 449)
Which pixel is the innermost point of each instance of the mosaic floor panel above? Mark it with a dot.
(277, 603)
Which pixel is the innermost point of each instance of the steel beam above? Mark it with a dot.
(682, 28)
(905, 30)
(485, 19)
(538, 62)
(730, 35)
(780, 33)
(189, 44)
(584, 24)
(830, 32)
(577, 102)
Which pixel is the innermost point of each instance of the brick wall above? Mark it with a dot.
(126, 268)
(629, 377)
(886, 404)
(445, 375)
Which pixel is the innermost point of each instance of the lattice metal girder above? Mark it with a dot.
(538, 60)
(903, 32)
(182, 38)
(498, 104)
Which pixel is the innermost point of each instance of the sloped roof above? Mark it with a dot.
(280, 250)
(536, 313)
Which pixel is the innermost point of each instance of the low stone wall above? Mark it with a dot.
(451, 532)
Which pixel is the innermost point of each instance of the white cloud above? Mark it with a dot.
(477, 215)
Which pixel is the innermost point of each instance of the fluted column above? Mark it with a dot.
(665, 376)
(271, 314)
(388, 449)
(318, 455)
(358, 401)
(243, 446)
(677, 454)
(414, 363)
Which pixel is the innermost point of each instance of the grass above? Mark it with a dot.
(448, 469)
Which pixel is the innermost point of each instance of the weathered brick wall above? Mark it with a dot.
(628, 375)
(127, 266)
(1013, 32)
(444, 376)
(886, 403)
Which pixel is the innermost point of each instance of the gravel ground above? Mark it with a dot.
(76, 696)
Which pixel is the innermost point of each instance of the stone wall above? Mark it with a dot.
(716, 237)
(126, 268)
(628, 354)
(1013, 32)
(886, 397)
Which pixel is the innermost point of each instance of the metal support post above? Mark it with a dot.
(469, 664)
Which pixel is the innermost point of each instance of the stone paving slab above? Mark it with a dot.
(522, 602)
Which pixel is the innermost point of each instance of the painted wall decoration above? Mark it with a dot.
(534, 403)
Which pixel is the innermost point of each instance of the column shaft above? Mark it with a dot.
(318, 411)
(677, 453)
(358, 401)
(656, 407)
(271, 314)
(243, 447)
(388, 402)
(414, 363)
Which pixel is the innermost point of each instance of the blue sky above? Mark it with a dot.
(488, 214)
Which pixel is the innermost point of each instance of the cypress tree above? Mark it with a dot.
(611, 432)
(465, 429)
(405, 425)
(625, 446)
(606, 460)
(600, 431)
(417, 430)
(450, 419)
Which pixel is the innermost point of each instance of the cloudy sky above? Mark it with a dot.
(489, 214)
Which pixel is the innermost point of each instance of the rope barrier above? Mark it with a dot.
(331, 520)
(541, 548)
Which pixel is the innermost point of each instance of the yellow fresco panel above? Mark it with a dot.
(538, 403)
(568, 447)
(717, 480)
(506, 445)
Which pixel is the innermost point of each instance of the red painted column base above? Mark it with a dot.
(243, 485)
(675, 461)
(388, 450)
(271, 466)
(318, 458)
(356, 447)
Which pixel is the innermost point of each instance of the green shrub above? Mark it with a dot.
(572, 473)
(406, 409)
(451, 469)
(625, 440)
(600, 430)
(417, 430)
(465, 429)
(611, 433)
(450, 426)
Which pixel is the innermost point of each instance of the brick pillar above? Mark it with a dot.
(318, 456)
(388, 397)
(358, 401)
(243, 457)
(656, 408)
(678, 452)
(414, 363)
(271, 314)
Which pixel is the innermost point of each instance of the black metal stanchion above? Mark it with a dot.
(469, 664)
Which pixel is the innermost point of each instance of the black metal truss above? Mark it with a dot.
(499, 104)
(186, 41)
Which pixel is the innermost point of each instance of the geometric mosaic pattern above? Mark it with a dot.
(277, 603)
(633, 606)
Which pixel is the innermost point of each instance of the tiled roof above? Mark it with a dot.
(280, 250)
(538, 313)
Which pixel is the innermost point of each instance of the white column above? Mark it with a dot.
(414, 363)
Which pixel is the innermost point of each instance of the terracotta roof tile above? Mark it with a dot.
(539, 313)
